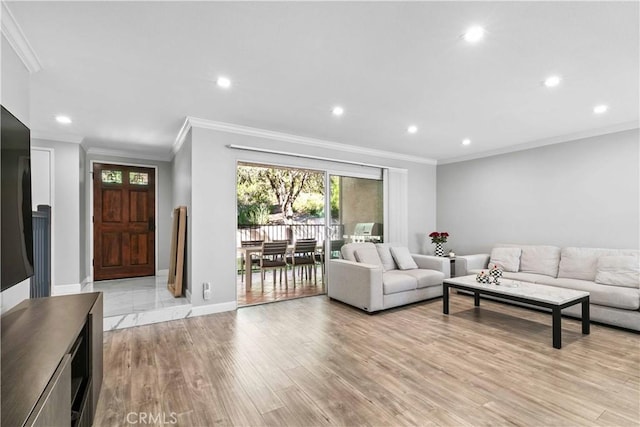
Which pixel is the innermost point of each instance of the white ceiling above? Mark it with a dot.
(128, 73)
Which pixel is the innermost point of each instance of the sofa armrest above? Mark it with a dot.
(355, 283)
(430, 262)
(465, 263)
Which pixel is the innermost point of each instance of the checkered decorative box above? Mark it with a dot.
(496, 273)
(482, 278)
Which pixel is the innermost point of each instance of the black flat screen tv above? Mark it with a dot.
(16, 263)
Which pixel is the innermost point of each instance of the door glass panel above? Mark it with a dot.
(356, 211)
(111, 177)
(138, 178)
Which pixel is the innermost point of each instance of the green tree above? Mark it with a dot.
(280, 185)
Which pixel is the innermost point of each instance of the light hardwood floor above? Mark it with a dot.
(312, 361)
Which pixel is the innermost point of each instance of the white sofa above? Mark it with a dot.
(368, 276)
(611, 276)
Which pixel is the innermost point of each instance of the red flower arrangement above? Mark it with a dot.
(439, 237)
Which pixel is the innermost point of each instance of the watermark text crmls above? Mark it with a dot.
(152, 418)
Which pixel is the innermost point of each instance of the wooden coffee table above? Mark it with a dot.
(539, 295)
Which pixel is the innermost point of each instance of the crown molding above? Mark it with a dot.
(158, 157)
(54, 136)
(286, 137)
(184, 130)
(620, 127)
(16, 38)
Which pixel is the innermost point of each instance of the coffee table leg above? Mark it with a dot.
(445, 298)
(476, 299)
(557, 328)
(586, 323)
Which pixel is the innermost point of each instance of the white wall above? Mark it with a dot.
(580, 193)
(15, 91)
(181, 173)
(83, 268)
(65, 209)
(41, 160)
(14, 96)
(213, 199)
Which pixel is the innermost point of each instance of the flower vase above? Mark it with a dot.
(439, 250)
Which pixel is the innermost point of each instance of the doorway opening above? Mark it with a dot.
(124, 242)
(295, 206)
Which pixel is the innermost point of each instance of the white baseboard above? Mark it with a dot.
(85, 281)
(188, 294)
(71, 288)
(202, 310)
(162, 272)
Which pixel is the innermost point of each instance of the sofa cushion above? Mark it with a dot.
(368, 255)
(384, 251)
(395, 281)
(610, 296)
(540, 260)
(348, 250)
(618, 271)
(580, 263)
(403, 258)
(426, 278)
(507, 259)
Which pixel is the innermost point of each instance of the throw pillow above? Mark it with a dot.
(384, 251)
(403, 258)
(540, 260)
(507, 259)
(619, 271)
(368, 255)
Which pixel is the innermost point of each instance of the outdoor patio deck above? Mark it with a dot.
(304, 288)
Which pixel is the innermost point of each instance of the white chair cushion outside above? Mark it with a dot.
(403, 258)
(384, 251)
(507, 259)
(368, 255)
(618, 271)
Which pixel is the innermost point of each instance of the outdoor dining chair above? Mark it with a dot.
(304, 255)
(273, 257)
(334, 252)
(253, 260)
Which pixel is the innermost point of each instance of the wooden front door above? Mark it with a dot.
(123, 221)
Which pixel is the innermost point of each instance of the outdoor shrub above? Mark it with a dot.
(311, 204)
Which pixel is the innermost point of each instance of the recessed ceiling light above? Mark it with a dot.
(337, 110)
(600, 109)
(552, 81)
(412, 129)
(223, 82)
(63, 119)
(474, 34)
(466, 141)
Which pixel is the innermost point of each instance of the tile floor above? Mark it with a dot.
(144, 300)
(137, 295)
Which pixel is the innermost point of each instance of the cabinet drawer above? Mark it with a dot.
(52, 409)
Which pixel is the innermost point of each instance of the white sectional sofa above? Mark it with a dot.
(376, 277)
(611, 276)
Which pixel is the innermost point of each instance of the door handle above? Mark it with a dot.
(152, 225)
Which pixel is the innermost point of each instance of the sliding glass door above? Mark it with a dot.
(355, 207)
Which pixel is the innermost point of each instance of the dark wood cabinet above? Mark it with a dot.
(52, 361)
